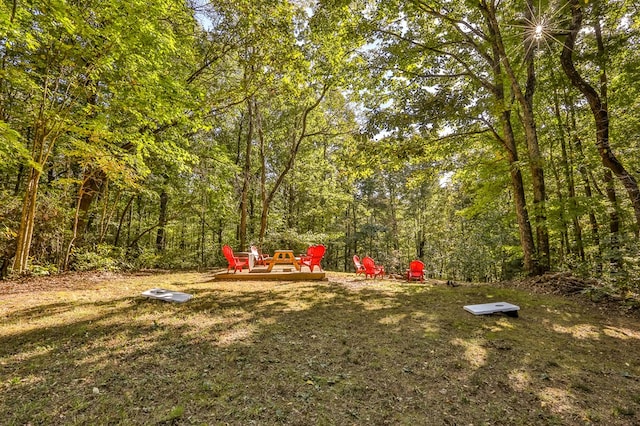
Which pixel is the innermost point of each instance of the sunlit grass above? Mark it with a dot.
(347, 351)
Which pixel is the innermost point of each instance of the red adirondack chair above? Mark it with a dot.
(359, 268)
(313, 257)
(234, 262)
(307, 255)
(416, 271)
(371, 269)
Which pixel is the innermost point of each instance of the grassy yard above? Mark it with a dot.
(87, 349)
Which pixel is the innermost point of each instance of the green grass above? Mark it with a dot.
(89, 350)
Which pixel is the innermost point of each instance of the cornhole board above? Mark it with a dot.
(167, 295)
(492, 308)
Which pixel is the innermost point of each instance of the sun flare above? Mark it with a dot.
(541, 26)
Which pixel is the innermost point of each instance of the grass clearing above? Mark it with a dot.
(87, 349)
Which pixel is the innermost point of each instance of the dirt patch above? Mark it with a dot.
(59, 282)
(586, 290)
(563, 283)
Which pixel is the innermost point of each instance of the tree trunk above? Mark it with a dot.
(615, 260)
(522, 214)
(567, 171)
(108, 212)
(565, 246)
(25, 232)
(394, 217)
(296, 140)
(203, 234)
(593, 221)
(91, 183)
(162, 221)
(44, 139)
(127, 208)
(537, 170)
(246, 179)
(16, 188)
(263, 179)
(503, 112)
(75, 226)
(528, 120)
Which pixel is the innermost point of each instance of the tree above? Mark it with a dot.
(525, 99)
(463, 53)
(598, 102)
(76, 66)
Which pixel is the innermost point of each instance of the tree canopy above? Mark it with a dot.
(489, 140)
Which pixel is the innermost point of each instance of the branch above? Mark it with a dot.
(484, 83)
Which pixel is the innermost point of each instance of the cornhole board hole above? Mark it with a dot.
(167, 295)
(492, 308)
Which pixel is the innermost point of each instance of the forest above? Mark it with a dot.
(489, 139)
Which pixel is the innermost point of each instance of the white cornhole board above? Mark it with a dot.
(491, 308)
(167, 295)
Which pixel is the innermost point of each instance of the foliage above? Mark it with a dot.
(101, 258)
(44, 270)
(295, 241)
(371, 127)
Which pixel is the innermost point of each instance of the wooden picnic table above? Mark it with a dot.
(283, 257)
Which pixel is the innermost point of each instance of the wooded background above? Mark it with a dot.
(489, 139)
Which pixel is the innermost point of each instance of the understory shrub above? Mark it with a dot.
(103, 258)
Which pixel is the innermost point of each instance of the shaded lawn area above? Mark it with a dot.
(89, 350)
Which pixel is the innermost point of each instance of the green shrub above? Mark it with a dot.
(43, 270)
(147, 259)
(103, 258)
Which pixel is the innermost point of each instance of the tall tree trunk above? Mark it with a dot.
(615, 260)
(565, 248)
(74, 226)
(203, 234)
(598, 104)
(162, 221)
(91, 184)
(44, 138)
(92, 180)
(586, 184)
(522, 214)
(348, 236)
(503, 111)
(246, 179)
(27, 219)
(593, 221)
(525, 99)
(394, 216)
(567, 171)
(537, 163)
(299, 135)
(263, 178)
(127, 208)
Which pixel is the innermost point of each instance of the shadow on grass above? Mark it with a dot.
(318, 353)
